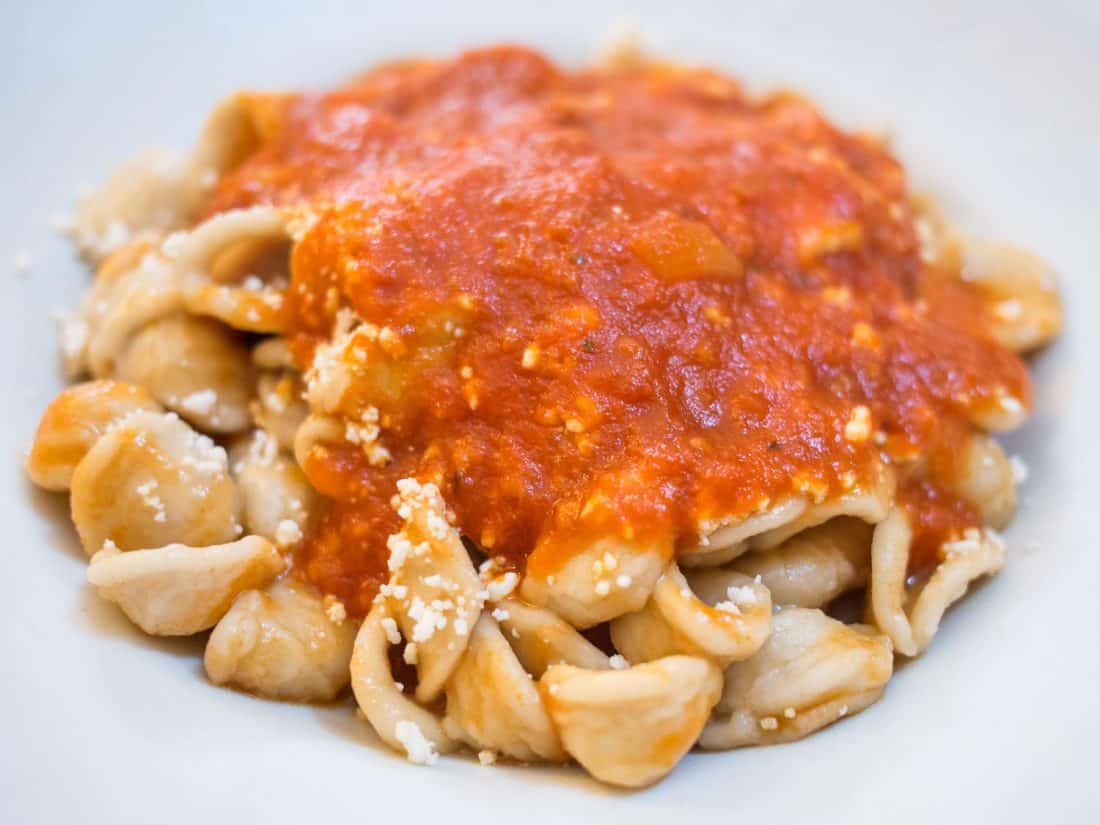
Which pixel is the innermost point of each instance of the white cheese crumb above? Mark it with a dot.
(624, 581)
(769, 723)
(200, 402)
(602, 588)
(418, 749)
(487, 757)
(618, 662)
(428, 620)
(151, 500)
(74, 335)
(501, 586)
(335, 610)
(411, 654)
(741, 596)
(393, 635)
(858, 428)
(500, 614)
(530, 357)
(288, 533)
(790, 713)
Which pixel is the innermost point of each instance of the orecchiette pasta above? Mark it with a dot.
(151, 480)
(279, 408)
(215, 276)
(607, 579)
(724, 543)
(493, 703)
(630, 727)
(813, 567)
(720, 615)
(811, 671)
(631, 469)
(870, 504)
(195, 367)
(400, 722)
(987, 480)
(540, 638)
(235, 128)
(139, 296)
(889, 568)
(177, 590)
(1022, 292)
(74, 422)
(977, 554)
(281, 643)
(142, 197)
(272, 354)
(278, 501)
(912, 619)
(440, 593)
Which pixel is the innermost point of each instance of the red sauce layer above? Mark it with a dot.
(620, 300)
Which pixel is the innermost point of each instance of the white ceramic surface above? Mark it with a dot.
(996, 109)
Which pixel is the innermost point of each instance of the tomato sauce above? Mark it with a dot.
(616, 300)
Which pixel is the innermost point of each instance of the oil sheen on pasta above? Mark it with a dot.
(621, 301)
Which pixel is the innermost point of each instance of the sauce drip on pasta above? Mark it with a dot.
(628, 301)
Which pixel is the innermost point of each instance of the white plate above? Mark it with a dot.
(995, 110)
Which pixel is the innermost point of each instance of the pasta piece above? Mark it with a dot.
(720, 615)
(540, 639)
(213, 287)
(138, 297)
(986, 479)
(178, 590)
(77, 327)
(195, 367)
(239, 307)
(315, 432)
(279, 408)
(815, 566)
(493, 703)
(150, 481)
(440, 593)
(1002, 414)
(273, 354)
(889, 568)
(723, 543)
(278, 499)
(609, 578)
(280, 643)
(235, 129)
(630, 727)
(158, 192)
(870, 504)
(979, 553)
(812, 671)
(1021, 290)
(400, 722)
(140, 198)
(74, 422)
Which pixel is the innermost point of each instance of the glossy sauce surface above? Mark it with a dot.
(616, 301)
